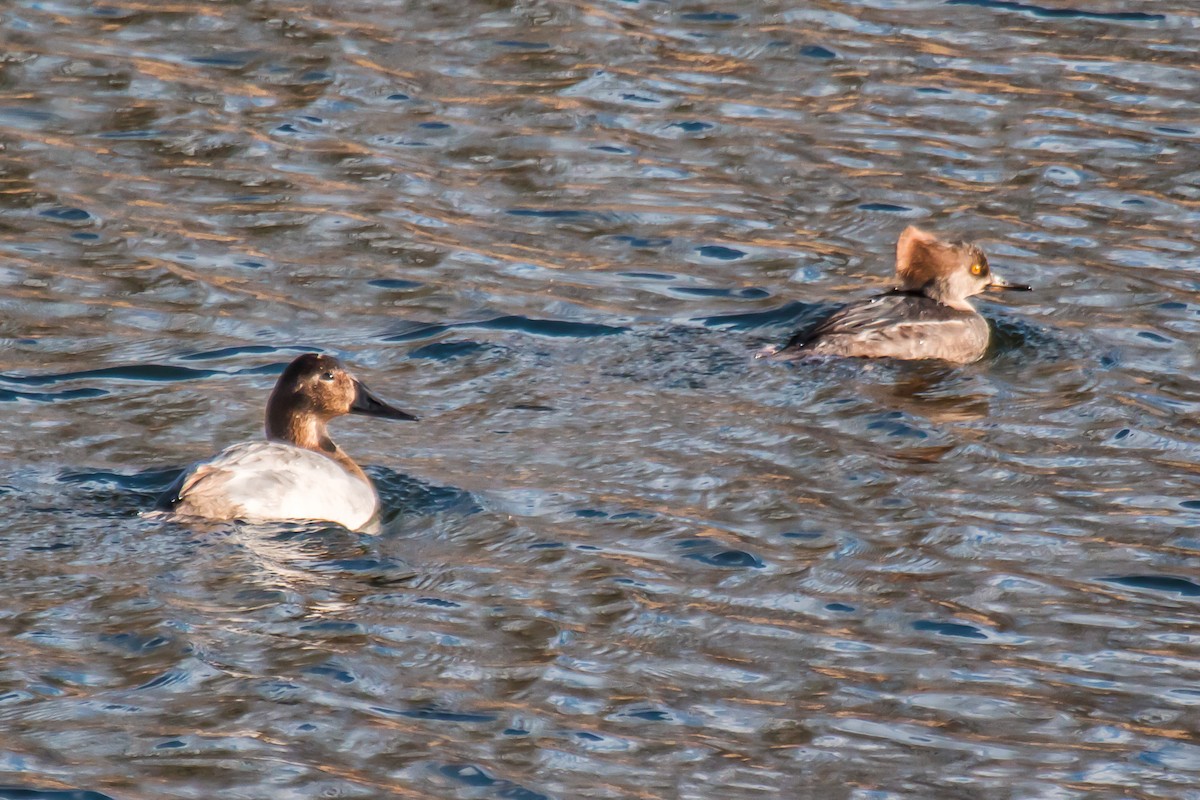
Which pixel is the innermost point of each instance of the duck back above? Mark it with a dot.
(266, 481)
(898, 325)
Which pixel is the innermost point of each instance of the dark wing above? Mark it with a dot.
(865, 316)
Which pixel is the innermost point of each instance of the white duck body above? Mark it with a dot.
(298, 473)
(275, 481)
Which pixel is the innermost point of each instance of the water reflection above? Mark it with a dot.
(617, 545)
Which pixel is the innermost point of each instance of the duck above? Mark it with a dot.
(925, 316)
(298, 473)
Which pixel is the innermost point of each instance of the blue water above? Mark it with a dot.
(618, 556)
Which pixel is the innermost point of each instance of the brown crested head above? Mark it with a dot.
(314, 389)
(922, 257)
(948, 272)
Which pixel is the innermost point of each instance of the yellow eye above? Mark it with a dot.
(977, 268)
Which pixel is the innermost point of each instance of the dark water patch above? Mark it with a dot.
(611, 148)
(334, 626)
(713, 554)
(27, 113)
(1061, 13)
(401, 495)
(395, 283)
(590, 513)
(50, 548)
(447, 351)
(8, 396)
(745, 293)
(135, 642)
(892, 422)
(647, 715)
(106, 494)
(414, 331)
(376, 571)
(260, 597)
(435, 714)
(949, 629)
(155, 373)
(795, 313)
(807, 535)
(1158, 583)
(710, 16)
(639, 98)
(1016, 337)
(149, 133)
(839, 607)
(154, 480)
(20, 793)
(437, 602)
(66, 214)
(531, 407)
(241, 350)
(273, 368)
(554, 328)
(885, 207)
(173, 744)
(1154, 337)
(693, 126)
(398, 97)
(224, 60)
(85, 236)
(649, 276)
(473, 776)
(1191, 505)
(816, 51)
(645, 243)
(523, 44)
(547, 546)
(169, 678)
(720, 253)
(434, 126)
(328, 671)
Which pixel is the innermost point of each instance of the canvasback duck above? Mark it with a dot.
(925, 316)
(298, 473)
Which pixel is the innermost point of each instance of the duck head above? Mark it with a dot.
(314, 389)
(948, 272)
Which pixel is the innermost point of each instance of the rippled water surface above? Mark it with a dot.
(620, 558)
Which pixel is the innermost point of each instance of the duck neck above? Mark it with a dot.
(309, 431)
(944, 292)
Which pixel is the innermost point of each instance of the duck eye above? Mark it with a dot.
(326, 376)
(978, 268)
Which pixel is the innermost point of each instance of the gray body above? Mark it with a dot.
(903, 325)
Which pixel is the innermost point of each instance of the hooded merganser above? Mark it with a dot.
(298, 473)
(925, 316)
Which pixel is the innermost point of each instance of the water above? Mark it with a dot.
(619, 558)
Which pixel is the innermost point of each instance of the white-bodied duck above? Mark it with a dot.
(926, 315)
(298, 473)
